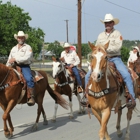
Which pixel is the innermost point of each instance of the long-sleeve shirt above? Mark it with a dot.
(115, 44)
(24, 55)
(71, 57)
(132, 57)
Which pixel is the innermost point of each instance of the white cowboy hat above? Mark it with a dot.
(109, 17)
(135, 47)
(66, 45)
(20, 33)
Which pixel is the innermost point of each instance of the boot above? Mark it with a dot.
(30, 95)
(84, 101)
(130, 102)
(79, 89)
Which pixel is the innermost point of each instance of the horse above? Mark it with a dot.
(65, 84)
(104, 92)
(11, 89)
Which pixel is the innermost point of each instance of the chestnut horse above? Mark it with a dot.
(104, 92)
(10, 93)
(65, 84)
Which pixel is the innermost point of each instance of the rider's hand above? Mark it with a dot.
(71, 65)
(12, 60)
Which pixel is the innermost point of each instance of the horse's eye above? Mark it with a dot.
(59, 65)
(106, 57)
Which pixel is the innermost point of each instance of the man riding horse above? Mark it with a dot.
(114, 54)
(72, 60)
(22, 55)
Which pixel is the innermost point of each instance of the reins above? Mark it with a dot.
(58, 75)
(2, 87)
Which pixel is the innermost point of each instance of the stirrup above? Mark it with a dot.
(79, 89)
(31, 101)
(130, 105)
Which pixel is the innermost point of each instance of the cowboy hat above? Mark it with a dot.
(20, 33)
(135, 47)
(66, 45)
(108, 18)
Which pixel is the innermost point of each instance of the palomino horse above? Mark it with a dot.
(10, 93)
(104, 92)
(65, 84)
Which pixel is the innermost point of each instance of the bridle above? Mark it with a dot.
(58, 75)
(6, 85)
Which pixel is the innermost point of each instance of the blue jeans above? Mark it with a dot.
(26, 71)
(123, 71)
(77, 75)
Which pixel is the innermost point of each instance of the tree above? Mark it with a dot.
(125, 54)
(12, 20)
(55, 48)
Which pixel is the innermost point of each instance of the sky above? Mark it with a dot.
(51, 16)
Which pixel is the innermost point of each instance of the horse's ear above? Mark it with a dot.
(91, 46)
(53, 58)
(106, 45)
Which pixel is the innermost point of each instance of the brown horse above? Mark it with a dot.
(10, 93)
(104, 92)
(65, 84)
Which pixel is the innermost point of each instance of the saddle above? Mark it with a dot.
(119, 80)
(36, 75)
(82, 74)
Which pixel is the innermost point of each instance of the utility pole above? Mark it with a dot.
(79, 32)
(67, 30)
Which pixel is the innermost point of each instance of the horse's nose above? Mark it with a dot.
(98, 76)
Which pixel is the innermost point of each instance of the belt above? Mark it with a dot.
(23, 65)
(114, 56)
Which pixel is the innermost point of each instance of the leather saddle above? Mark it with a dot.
(82, 72)
(36, 75)
(119, 80)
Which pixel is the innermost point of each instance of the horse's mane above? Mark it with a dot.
(4, 67)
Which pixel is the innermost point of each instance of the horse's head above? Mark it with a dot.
(57, 67)
(98, 61)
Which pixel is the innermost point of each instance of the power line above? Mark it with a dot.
(122, 7)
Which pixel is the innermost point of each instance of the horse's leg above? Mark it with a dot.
(55, 112)
(6, 116)
(10, 122)
(45, 121)
(103, 131)
(40, 109)
(129, 116)
(118, 126)
(10, 125)
(70, 104)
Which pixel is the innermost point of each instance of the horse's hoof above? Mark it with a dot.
(127, 137)
(70, 117)
(120, 134)
(84, 112)
(53, 120)
(45, 122)
(8, 135)
(79, 112)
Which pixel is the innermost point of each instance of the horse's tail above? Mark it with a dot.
(57, 97)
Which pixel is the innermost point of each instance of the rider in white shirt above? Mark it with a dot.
(133, 55)
(72, 60)
(22, 54)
